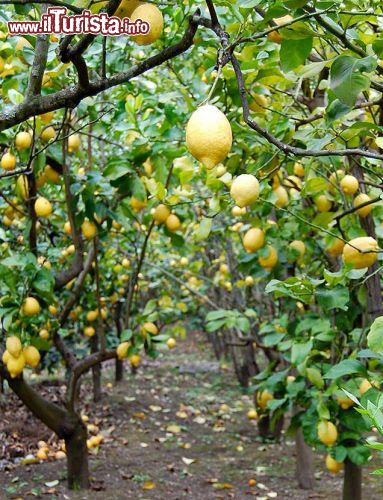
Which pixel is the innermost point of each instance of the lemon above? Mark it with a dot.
(361, 252)
(122, 350)
(23, 140)
(293, 181)
(252, 414)
(48, 134)
(31, 356)
(254, 239)
(92, 315)
(126, 262)
(249, 281)
(359, 200)
(208, 135)
(282, 197)
(332, 465)
(16, 365)
(47, 117)
(67, 228)
(150, 327)
(135, 360)
(44, 334)
(300, 247)
(334, 178)
(31, 306)
(299, 169)
(161, 213)
(258, 103)
(270, 260)
(237, 211)
(275, 37)
(336, 248)
(171, 343)
(126, 8)
(322, 203)
(349, 184)
(152, 15)
(8, 161)
(51, 174)
(13, 346)
(89, 229)
(74, 143)
(6, 357)
(263, 397)
(43, 207)
(327, 433)
(89, 331)
(173, 223)
(136, 204)
(22, 188)
(364, 386)
(245, 190)
(290, 379)
(344, 402)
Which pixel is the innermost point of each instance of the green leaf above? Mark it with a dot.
(315, 377)
(375, 336)
(346, 78)
(43, 283)
(300, 351)
(358, 454)
(315, 185)
(346, 367)
(204, 228)
(335, 298)
(294, 53)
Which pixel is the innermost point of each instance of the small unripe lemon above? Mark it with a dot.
(43, 207)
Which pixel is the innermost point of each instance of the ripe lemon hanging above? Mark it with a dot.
(31, 356)
(173, 223)
(270, 260)
(349, 184)
(245, 190)
(161, 213)
(153, 16)
(359, 200)
(89, 229)
(327, 433)
(122, 350)
(8, 161)
(43, 207)
(31, 307)
(13, 346)
(74, 143)
(332, 465)
(23, 140)
(361, 252)
(208, 135)
(254, 239)
(16, 365)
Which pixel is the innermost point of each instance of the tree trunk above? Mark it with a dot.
(352, 482)
(96, 372)
(119, 370)
(77, 457)
(304, 462)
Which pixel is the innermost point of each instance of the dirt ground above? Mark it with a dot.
(177, 429)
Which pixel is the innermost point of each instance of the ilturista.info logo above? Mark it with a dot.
(56, 21)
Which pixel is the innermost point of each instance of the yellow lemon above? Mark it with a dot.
(161, 213)
(23, 140)
(282, 197)
(31, 306)
(245, 190)
(151, 14)
(361, 252)
(359, 200)
(270, 260)
(208, 135)
(327, 432)
(89, 229)
(13, 346)
(322, 203)
(8, 161)
(43, 207)
(349, 184)
(332, 465)
(31, 356)
(171, 343)
(173, 223)
(48, 134)
(16, 365)
(74, 143)
(150, 327)
(254, 239)
(122, 350)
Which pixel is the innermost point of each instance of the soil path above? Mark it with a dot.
(177, 429)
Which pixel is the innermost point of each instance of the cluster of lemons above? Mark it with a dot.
(15, 357)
